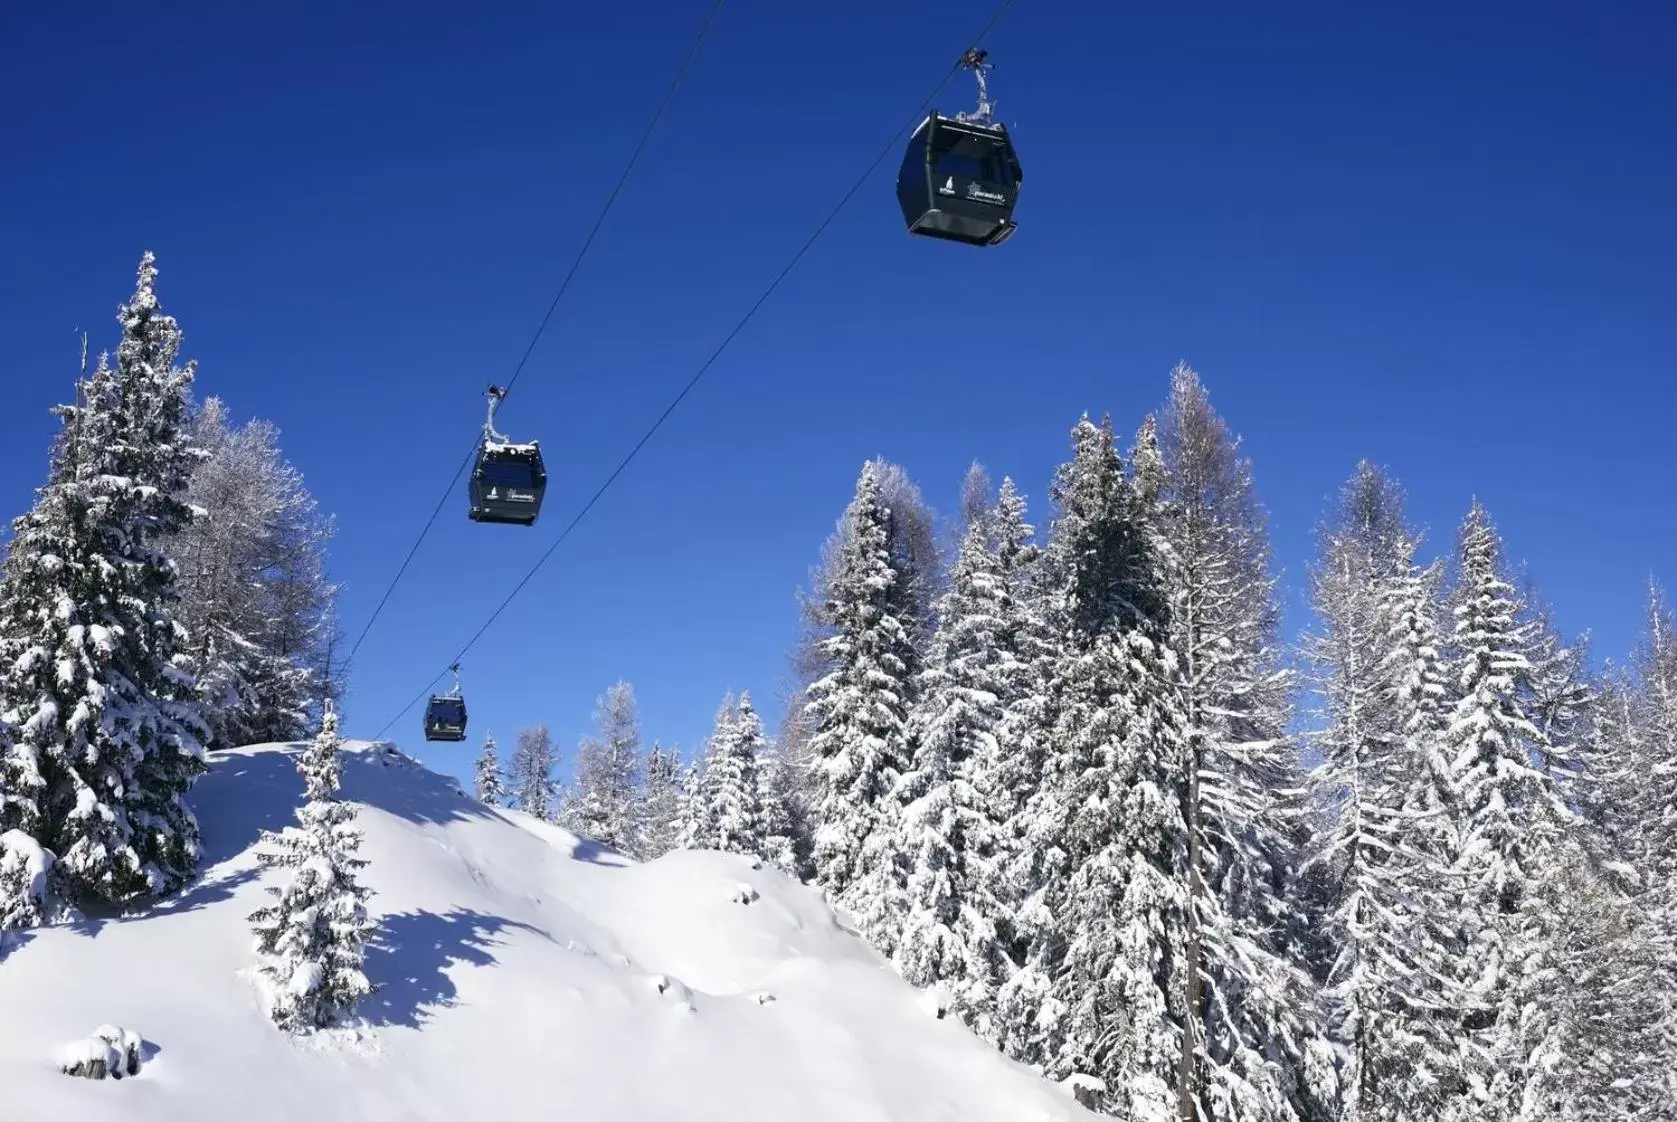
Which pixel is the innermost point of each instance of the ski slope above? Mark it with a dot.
(524, 970)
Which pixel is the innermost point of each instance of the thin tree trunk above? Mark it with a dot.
(1186, 1108)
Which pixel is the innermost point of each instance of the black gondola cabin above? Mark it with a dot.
(960, 181)
(445, 718)
(507, 484)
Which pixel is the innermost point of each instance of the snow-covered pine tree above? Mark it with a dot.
(857, 711)
(25, 874)
(1511, 822)
(489, 783)
(1645, 792)
(1620, 949)
(1113, 794)
(977, 501)
(1608, 997)
(255, 599)
(109, 736)
(694, 825)
(1106, 927)
(953, 819)
(607, 786)
(1022, 732)
(785, 827)
(912, 540)
(1265, 1049)
(732, 786)
(311, 941)
(660, 808)
(530, 773)
(1557, 691)
(911, 546)
(1400, 963)
(1359, 549)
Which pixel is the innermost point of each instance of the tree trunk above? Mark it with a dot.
(1186, 1080)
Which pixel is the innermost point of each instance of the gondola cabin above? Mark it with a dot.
(507, 484)
(960, 181)
(445, 718)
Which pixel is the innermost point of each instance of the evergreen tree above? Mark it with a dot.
(786, 842)
(1557, 692)
(660, 814)
(490, 784)
(95, 680)
(1398, 971)
(1608, 998)
(732, 786)
(1358, 784)
(857, 712)
(1022, 732)
(1646, 779)
(977, 502)
(25, 895)
(1620, 944)
(1511, 822)
(694, 827)
(312, 939)
(912, 541)
(607, 784)
(1114, 954)
(953, 820)
(1265, 1050)
(530, 774)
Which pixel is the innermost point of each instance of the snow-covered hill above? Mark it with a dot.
(526, 973)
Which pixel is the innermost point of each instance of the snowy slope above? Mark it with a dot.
(524, 970)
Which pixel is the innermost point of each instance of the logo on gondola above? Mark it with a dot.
(948, 187)
(974, 191)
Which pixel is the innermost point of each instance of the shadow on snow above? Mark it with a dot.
(411, 956)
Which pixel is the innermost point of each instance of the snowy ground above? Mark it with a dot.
(523, 969)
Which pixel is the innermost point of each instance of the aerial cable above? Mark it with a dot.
(751, 312)
(611, 200)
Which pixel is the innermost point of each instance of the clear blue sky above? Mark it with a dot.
(1439, 235)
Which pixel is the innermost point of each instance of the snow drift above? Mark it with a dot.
(522, 969)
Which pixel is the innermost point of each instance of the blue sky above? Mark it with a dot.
(1436, 235)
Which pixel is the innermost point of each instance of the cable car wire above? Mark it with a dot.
(564, 285)
(738, 327)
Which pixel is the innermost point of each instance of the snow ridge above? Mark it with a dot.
(515, 962)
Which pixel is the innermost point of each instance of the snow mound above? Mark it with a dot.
(521, 967)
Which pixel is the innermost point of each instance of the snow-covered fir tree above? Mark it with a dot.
(1381, 862)
(25, 892)
(1608, 997)
(786, 841)
(530, 773)
(1359, 546)
(489, 781)
(731, 787)
(1643, 787)
(1621, 946)
(660, 808)
(1023, 646)
(255, 598)
(977, 501)
(693, 825)
(311, 941)
(94, 676)
(857, 712)
(953, 817)
(607, 785)
(911, 538)
(1511, 825)
(1265, 1049)
(1106, 924)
